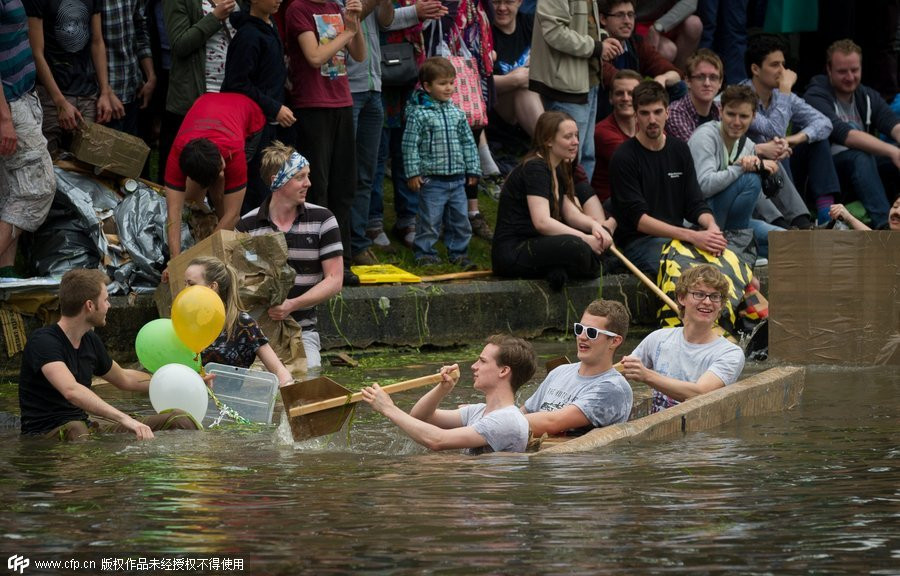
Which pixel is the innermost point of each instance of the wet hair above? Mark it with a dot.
(214, 270)
(201, 161)
(740, 94)
(845, 46)
(545, 131)
(516, 353)
(436, 68)
(759, 47)
(705, 274)
(703, 55)
(649, 92)
(273, 158)
(77, 287)
(616, 314)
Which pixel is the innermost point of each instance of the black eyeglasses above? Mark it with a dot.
(622, 15)
(714, 297)
(592, 332)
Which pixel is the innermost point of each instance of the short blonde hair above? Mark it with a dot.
(273, 158)
(705, 274)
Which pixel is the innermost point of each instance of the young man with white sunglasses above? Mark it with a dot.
(590, 393)
(683, 362)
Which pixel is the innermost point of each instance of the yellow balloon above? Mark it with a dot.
(198, 316)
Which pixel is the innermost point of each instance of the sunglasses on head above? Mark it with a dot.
(592, 332)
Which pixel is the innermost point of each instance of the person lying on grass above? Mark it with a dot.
(496, 425)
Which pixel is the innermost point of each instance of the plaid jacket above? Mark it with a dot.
(127, 43)
(437, 140)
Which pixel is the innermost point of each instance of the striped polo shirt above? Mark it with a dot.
(314, 236)
(16, 62)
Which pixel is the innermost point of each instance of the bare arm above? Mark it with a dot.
(108, 105)
(8, 137)
(127, 379)
(867, 143)
(58, 374)
(174, 207)
(426, 408)
(556, 421)
(711, 239)
(547, 225)
(69, 116)
(273, 364)
(680, 390)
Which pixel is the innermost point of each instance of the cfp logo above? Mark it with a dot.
(18, 563)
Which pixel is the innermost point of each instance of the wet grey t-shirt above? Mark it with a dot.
(505, 430)
(667, 352)
(604, 399)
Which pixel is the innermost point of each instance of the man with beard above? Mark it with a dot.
(654, 188)
(55, 396)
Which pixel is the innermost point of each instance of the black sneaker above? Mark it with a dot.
(350, 278)
(464, 264)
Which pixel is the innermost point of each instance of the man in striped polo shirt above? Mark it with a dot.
(27, 182)
(313, 240)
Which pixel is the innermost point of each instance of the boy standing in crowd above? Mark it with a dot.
(440, 157)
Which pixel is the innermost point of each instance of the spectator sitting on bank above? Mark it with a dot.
(59, 361)
(198, 34)
(840, 212)
(684, 362)
(255, 68)
(312, 236)
(590, 393)
(496, 425)
(615, 129)
(541, 232)
(617, 18)
(27, 181)
(321, 34)
(671, 27)
(778, 109)
(72, 73)
(704, 80)
(867, 165)
(440, 156)
(728, 170)
(516, 104)
(655, 190)
(241, 341)
(209, 159)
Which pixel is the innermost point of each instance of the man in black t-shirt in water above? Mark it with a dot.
(55, 396)
(654, 188)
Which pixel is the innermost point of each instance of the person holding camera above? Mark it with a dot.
(730, 174)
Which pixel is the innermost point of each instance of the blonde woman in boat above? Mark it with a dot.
(683, 362)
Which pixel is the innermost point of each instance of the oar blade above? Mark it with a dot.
(317, 423)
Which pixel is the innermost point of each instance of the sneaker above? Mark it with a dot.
(365, 258)
(378, 237)
(464, 263)
(480, 227)
(428, 261)
(761, 262)
(407, 235)
(350, 279)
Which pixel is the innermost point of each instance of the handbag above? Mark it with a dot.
(468, 96)
(398, 65)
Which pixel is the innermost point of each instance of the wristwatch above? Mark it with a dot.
(658, 27)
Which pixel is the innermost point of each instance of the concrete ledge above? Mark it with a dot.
(774, 390)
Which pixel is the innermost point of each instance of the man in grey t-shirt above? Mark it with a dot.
(588, 394)
(504, 365)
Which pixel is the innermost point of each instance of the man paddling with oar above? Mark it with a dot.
(504, 365)
(590, 393)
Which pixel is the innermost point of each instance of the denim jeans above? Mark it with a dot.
(645, 253)
(406, 201)
(812, 170)
(761, 231)
(442, 200)
(860, 170)
(368, 117)
(733, 206)
(584, 116)
(725, 32)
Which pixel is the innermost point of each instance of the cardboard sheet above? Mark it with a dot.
(834, 297)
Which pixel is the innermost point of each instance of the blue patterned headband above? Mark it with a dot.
(294, 164)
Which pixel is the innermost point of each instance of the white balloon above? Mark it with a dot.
(177, 386)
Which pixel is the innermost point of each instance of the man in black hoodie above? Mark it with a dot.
(868, 164)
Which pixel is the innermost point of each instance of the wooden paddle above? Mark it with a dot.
(643, 278)
(321, 406)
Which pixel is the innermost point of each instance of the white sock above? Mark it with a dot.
(488, 166)
(473, 214)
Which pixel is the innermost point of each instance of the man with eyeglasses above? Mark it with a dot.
(590, 393)
(617, 17)
(698, 106)
(693, 359)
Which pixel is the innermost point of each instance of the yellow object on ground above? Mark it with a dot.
(383, 274)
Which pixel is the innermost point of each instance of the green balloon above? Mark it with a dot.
(157, 345)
